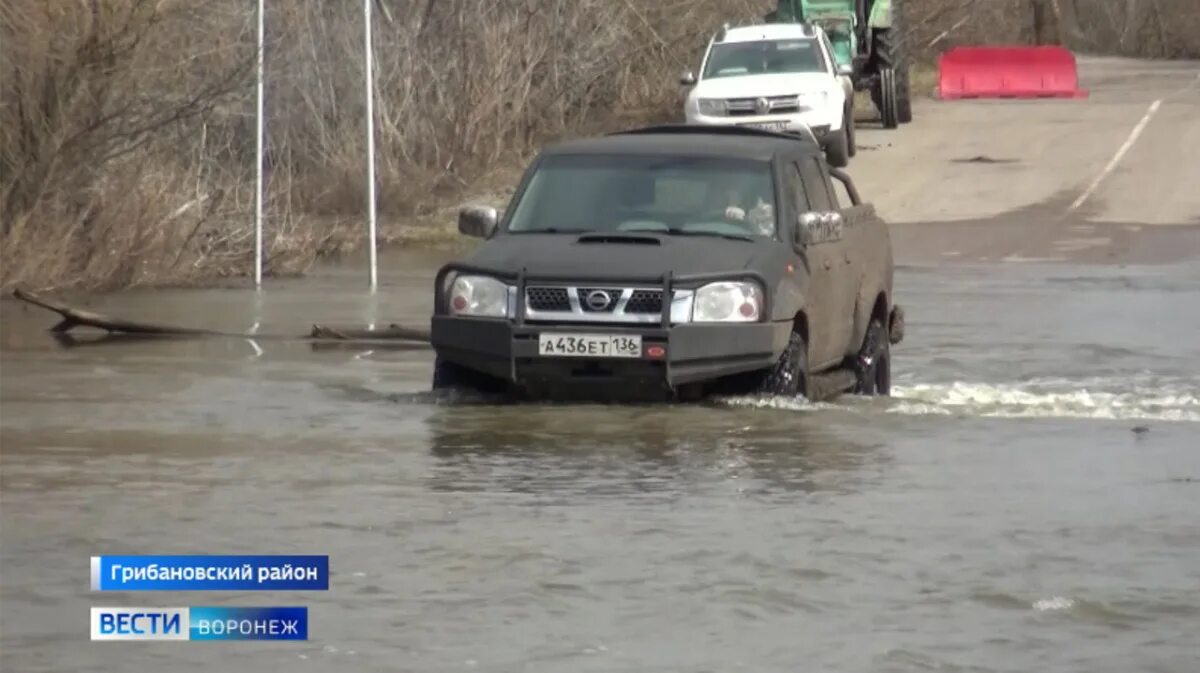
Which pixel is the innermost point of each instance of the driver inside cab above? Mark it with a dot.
(752, 207)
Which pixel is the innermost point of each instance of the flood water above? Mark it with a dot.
(999, 513)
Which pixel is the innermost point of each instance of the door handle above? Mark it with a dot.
(828, 263)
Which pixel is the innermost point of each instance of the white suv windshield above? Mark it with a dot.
(670, 194)
(764, 57)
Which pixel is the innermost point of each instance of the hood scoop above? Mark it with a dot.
(616, 237)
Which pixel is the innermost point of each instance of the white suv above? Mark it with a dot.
(777, 76)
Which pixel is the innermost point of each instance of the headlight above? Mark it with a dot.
(727, 302)
(714, 107)
(478, 295)
(812, 100)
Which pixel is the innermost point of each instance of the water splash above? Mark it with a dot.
(1131, 398)
(1055, 603)
(1118, 399)
(773, 402)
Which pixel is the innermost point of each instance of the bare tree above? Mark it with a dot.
(127, 129)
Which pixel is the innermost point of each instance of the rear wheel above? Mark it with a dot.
(789, 376)
(874, 362)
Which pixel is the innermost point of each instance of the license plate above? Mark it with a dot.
(769, 126)
(590, 345)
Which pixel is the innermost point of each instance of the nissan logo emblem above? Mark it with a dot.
(597, 300)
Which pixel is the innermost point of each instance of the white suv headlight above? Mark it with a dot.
(813, 100)
(713, 107)
(478, 296)
(728, 302)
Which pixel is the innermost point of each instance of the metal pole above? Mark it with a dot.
(258, 196)
(370, 84)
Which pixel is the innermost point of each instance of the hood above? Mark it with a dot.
(753, 86)
(618, 254)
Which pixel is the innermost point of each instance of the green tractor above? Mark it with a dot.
(864, 34)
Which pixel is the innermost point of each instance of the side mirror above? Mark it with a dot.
(804, 227)
(477, 221)
(845, 69)
(818, 227)
(688, 78)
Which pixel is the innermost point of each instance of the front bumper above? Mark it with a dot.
(672, 357)
(820, 122)
(673, 353)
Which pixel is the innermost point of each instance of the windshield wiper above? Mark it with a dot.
(676, 231)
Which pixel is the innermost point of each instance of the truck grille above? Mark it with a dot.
(742, 107)
(644, 301)
(547, 299)
(596, 303)
(598, 299)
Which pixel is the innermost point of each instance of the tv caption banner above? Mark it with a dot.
(210, 573)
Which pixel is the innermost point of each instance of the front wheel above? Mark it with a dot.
(874, 362)
(789, 376)
(456, 379)
(838, 150)
(851, 133)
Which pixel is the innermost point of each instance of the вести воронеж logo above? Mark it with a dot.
(199, 623)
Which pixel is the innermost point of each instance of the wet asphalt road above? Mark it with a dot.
(998, 514)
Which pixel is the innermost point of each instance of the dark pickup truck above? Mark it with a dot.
(670, 263)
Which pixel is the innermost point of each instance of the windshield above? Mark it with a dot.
(764, 57)
(686, 195)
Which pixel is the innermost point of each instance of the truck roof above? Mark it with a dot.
(690, 140)
(768, 31)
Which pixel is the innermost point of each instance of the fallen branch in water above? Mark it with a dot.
(74, 317)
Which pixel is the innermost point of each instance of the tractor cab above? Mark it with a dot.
(865, 36)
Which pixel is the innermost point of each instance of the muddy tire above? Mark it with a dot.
(789, 376)
(837, 151)
(873, 366)
(451, 377)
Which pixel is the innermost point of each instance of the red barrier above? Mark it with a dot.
(1008, 72)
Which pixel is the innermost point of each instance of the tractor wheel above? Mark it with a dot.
(903, 99)
(888, 102)
(888, 57)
